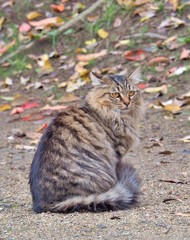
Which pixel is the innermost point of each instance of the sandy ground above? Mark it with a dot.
(163, 210)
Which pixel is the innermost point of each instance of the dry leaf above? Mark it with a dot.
(184, 54)
(69, 97)
(174, 4)
(102, 33)
(185, 139)
(6, 47)
(172, 108)
(92, 18)
(5, 107)
(45, 65)
(183, 214)
(160, 59)
(136, 55)
(58, 7)
(53, 21)
(33, 15)
(126, 3)
(117, 23)
(2, 19)
(74, 85)
(172, 21)
(91, 56)
(24, 28)
(163, 89)
(178, 71)
(53, 108)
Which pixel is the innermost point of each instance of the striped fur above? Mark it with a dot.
(80, 164)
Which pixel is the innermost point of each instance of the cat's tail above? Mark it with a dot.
(121, 196)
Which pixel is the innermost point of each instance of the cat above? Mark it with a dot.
(80, 162)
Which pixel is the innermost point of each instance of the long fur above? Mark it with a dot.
(120, 197)
(80, 161)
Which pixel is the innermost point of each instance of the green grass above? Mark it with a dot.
(17, 65)
(106, 19)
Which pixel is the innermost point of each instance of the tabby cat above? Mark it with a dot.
(79, 164)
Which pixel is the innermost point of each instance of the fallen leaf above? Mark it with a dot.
(92, 18)
(35, 116)
(91, 56)
(166, 152)
(58, 7)
(172, 108)
(117, 23)
(8, 81)
(174, 4)
(172, 21)
(25, 147)
(17, 110)
(90, 42)
(53, 108)
(34, 135)
(126, 3)
(70, 97)
(103, 33)
(160, 59)
(45, 65)
(40, 129)
(136, 55)
(2, 19)
(24, 28)
(5, 107)
(53, 21)
(29, 105)
(185, 139)
(183, 214)
(74, 85)
(33, 15)
(5, 48)
(163, 89)
(184, 54)
(178, 71)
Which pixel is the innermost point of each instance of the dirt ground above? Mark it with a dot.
(162, 161)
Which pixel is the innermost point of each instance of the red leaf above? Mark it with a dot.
(58, 8)
(33, 117)
(142, 85)
(44, 126)
(29, 105)
(137, 55)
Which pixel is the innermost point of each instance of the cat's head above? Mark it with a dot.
(118, 94)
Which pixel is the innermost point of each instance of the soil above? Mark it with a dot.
(162, 161)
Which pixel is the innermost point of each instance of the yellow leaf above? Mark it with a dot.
(2, 19)
(163, 89)
(81, 50)
(172, 108)
(32, 15)
(90, 42)
(126, 3)
(102, 33)
(5, 107)
(174, 4)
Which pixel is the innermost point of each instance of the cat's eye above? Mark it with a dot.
(115, 95)
(131, 93)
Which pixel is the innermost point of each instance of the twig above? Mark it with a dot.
(149, 34)
(56, 32)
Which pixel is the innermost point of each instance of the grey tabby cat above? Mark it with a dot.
(79, 164)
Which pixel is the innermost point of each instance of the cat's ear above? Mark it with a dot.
(98, 79)
(136, 76)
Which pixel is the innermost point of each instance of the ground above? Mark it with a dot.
(162, 159)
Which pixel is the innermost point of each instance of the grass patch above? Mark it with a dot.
(106, 19)
(18, 64)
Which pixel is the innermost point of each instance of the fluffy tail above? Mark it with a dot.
(121, 196)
